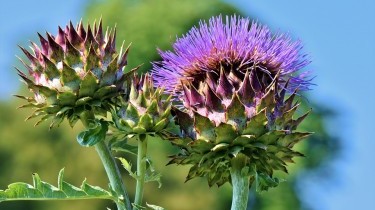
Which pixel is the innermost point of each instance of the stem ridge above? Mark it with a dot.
(141, 170)
(240, 183)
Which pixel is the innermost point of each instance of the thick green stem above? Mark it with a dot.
(141, 170)
(114, 176)
(240, 183)
(110, 167)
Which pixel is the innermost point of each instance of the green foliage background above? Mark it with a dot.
(146, 24)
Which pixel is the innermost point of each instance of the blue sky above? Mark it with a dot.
(339, 36)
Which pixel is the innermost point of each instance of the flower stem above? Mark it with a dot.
(114, 176)
(110, 167)
(240, 183)
(141, 170)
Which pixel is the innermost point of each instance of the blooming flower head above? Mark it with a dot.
(236, 46)
(232, 79)
(75, 72)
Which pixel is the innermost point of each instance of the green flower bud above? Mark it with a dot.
(73, 72)
(144, 111)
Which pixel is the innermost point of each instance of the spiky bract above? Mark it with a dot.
(76, 71)
(145, 110)
(219, 125)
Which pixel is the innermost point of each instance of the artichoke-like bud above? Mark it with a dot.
(232, 76)
(145, 110)
(77, 71)
(231, 117)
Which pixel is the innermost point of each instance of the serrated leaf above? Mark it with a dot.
(94, 134)
(127, 166)
(152, 176)
(154, 207)
(41, 190)
(138, 207)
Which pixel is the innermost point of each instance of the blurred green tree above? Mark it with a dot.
(147, 24)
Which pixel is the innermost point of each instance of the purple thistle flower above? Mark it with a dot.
(233, 45)
(232, 79)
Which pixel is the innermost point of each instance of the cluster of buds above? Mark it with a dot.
(75, 73)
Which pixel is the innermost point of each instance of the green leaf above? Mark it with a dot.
(138, 207)
(127, 166)
(151, 174)
(123, 146)
(154, 207)
(93, 135)
(41, 190)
